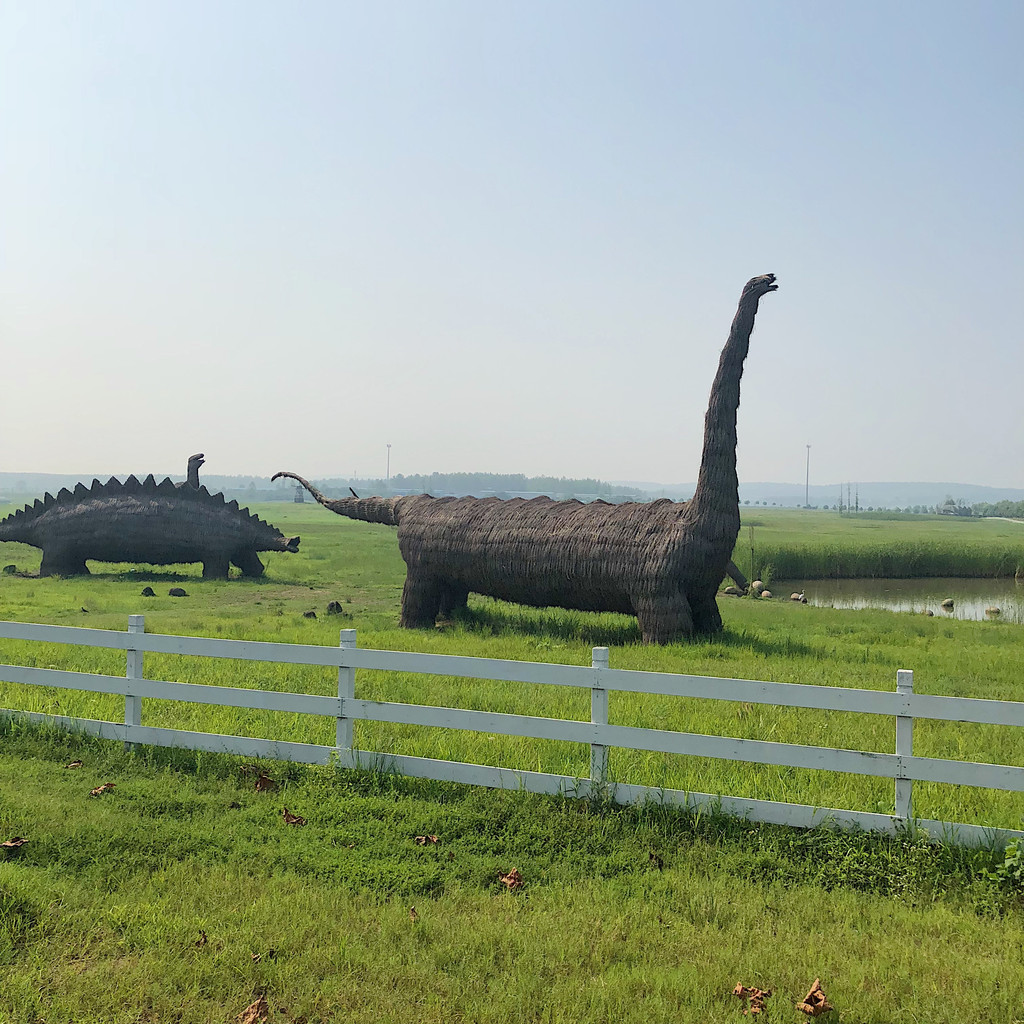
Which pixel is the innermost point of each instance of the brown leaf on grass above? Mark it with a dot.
(256, 957)
(74, 764)
(815, 1003)
(265, 784)
(255, 1013)
(201, 941)
(413, 916)
(15, 843)
(753, 997)
(101, 789)
(424, 840)
(513, 880)
(293, 819)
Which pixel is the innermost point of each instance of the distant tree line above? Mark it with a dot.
(484, 483)
(1011, 509)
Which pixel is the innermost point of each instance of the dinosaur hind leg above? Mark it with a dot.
(62, 562)
(453, 599)
(421, 600)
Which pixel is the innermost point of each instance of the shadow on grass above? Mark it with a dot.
(597, 629)
(606, 629)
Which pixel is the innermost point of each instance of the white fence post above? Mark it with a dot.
(598, 715)
(133, 670)
(904, 743)
(346, 690)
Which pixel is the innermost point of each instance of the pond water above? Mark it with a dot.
(971, 597)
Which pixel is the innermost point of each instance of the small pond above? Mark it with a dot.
(971, 597)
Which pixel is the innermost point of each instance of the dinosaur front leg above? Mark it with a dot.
(706, 616)
(247, 560)
(663, 617)
(215, 568)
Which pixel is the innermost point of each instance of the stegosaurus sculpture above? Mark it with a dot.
(156, 523)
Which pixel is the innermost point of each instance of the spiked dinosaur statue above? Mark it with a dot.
(156, 523)
(661, 561)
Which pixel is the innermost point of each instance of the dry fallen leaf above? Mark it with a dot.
(413, 916)
(754, 997)
(256, 957)
(424, 840)
(815, 1003)
(101, 789)
(255, 1013)
(13, 844)
(513, 880)
(293, 819)
(265, 783)
(74, 764)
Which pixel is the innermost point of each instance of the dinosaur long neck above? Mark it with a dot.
(717, 484)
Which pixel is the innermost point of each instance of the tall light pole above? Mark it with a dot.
(807, 480)
(387, 472)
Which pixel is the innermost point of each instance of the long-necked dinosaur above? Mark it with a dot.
(661, 561)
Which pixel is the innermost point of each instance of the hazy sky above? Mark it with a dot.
(510, 236)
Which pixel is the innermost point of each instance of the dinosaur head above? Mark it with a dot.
(194, 462)
(758, 286)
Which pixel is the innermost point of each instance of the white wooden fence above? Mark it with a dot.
(903, 705)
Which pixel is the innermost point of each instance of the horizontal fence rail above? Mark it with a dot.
(903, 705)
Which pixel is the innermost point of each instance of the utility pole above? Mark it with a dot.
(807, 480)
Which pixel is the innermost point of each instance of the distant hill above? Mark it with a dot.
(873, 494)
(24, 487)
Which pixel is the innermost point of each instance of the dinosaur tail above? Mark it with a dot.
(369, 510)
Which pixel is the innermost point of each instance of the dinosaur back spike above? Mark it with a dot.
(166, 486)
(113, 486)
(48, 500)
(81, 491)
(149, 484)
(64, 496)
(132, 483)
(97, 487)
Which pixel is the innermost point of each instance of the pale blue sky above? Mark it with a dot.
(510, 236)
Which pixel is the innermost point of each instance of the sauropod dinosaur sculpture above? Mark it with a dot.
(661, 561)
(156, 523)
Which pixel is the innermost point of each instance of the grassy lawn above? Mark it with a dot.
(625, 914)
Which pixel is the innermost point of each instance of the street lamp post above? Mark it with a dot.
(807, 480)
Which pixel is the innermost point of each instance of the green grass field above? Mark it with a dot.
(626, 915)
(794, 544)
